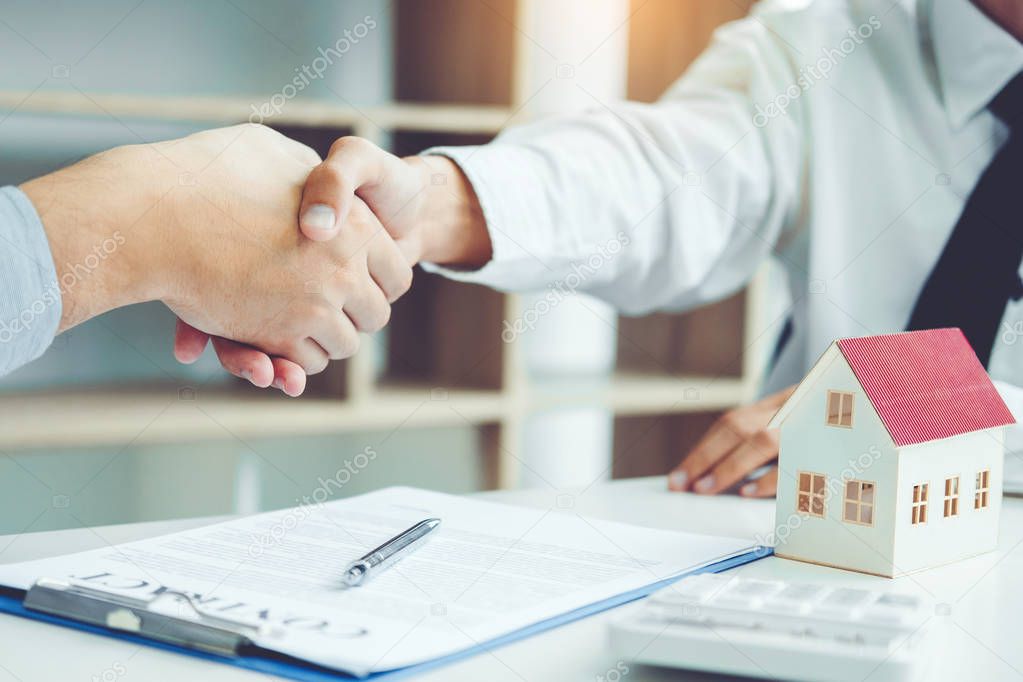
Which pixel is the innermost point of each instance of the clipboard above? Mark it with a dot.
(228, 641)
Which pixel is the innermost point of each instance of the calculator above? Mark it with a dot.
(780, 630)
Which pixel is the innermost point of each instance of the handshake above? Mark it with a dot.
(278, 258)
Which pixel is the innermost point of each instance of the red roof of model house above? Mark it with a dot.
(925, 385)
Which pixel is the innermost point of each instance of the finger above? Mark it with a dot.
(368, 310)
(765, 486)
(288, 377)
(334, 333)
(244, 361)
(331, 186)
(309, 355)
(750, 455)
(719, 440)
(189, 342)
(389, 267)
(411, 249)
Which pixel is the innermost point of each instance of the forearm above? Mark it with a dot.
(96, 216)
(660, 206)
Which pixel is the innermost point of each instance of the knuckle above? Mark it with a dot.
(345, 282)
(725, 473)
(259, 129)
(348, 144)
(404, 283)
(765, 439)
(696, 461)
(320, 315)
(379, 317)
(309, 154)
(733, 421)
(348, 345)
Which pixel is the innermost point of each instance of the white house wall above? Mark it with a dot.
(864, 452)
(941, 540)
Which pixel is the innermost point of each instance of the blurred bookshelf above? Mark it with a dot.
(458, 67)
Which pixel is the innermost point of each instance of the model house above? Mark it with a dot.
(891, 455)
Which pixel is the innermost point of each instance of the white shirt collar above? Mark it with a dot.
(974, 56)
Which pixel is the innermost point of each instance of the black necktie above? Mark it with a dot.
(978, 271)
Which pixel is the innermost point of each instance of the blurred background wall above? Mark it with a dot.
(568, 402)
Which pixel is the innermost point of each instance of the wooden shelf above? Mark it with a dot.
(103, 417)
(229, 110)
(170, 414)
(629, 393)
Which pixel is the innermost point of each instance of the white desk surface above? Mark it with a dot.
(982, 595)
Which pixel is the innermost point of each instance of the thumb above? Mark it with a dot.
(330, 188)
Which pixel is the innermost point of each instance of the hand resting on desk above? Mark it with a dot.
(737, 444)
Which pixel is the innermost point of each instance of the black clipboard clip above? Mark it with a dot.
(194, 628)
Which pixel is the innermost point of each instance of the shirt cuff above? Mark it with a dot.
(518, 262)
(30, 297)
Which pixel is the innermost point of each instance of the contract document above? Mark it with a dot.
(488, 571)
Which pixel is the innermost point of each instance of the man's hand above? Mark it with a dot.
(376, 271)
(737, 444)
(425, 204)
(207, 225)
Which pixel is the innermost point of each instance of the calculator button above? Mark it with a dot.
(680, 611)
(744, 594)
(787, 607)
(847, 597)
(736, 601)
(797, 593)
(905, 601)
(832, 612)
(671, 599)
(675, 601)
(733, 620)
(879, 615)
(754, 588)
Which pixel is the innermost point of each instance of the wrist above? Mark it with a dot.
(92, 214)
(453, 230)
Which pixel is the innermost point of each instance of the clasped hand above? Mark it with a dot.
(335, 279)
(360, 198)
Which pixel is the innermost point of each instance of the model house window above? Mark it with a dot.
(810, 498)
(920, 503)
(840, 406)
(859, 502)
(952, 496)
(980, 498)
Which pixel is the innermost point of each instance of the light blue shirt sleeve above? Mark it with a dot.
(30, 297)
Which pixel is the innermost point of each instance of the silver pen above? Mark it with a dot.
(377, 560)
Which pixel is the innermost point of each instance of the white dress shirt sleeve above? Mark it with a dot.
(647, 206)
(30, 300)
